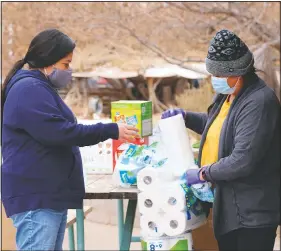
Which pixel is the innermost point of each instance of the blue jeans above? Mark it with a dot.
(42, 229)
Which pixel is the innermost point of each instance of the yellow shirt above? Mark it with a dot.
(211, 146)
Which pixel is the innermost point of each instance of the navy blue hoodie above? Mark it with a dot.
(42, 166)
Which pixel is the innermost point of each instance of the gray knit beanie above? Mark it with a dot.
(228, 56)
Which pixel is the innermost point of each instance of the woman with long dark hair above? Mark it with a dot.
(42, 172)
(240, 148)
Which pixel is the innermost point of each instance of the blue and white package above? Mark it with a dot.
(203, 192)
(132, 160)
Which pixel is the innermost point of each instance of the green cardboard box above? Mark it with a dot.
(135, 113)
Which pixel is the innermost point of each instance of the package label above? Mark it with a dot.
(182, 242)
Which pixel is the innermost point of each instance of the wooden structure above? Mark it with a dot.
(78, 94)
(158, 84)
(155, 76)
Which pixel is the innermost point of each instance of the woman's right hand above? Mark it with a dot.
(127, 132)
(172, 112)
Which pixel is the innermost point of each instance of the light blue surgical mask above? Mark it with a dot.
(221, 86)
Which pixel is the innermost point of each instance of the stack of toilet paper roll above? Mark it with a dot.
(163, 202)
(163, 207)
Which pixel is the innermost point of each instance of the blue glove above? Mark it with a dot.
(172, 112)
(191, 177)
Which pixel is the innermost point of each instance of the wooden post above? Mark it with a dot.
(167, 95)
(157, 106)
(264, 62)
(151, 92)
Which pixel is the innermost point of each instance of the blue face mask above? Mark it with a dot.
(60, 78)
(221, 86)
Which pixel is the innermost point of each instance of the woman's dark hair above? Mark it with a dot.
(45, 49)
(251, 76)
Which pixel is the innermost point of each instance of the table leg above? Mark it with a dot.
(136, 239)
(129, 225)
(120, 211)
(80, 229)
(71, 240)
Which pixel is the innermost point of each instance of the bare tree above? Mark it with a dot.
(177, 31)
(197, 23)
(118, 32)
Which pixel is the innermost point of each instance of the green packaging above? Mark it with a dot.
(135, 113)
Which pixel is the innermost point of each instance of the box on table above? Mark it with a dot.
(135, 113)
(97, 159)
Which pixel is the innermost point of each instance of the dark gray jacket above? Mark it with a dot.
(247, 175)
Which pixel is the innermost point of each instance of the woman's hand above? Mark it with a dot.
(193, 176)
(200, 175)
(172, 112)
(127, 132)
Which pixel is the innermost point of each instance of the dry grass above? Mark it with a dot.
(196, 100)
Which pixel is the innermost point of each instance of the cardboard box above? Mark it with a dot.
(203, 237)
(135, 113)
(97, 159)
(117, 143)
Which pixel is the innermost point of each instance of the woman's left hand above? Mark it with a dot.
(194, 176)
(200, 175)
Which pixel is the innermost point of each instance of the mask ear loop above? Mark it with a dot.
(45, 71)
(234, 87)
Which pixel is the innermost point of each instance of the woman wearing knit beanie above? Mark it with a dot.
(42, 173)
(240, 148)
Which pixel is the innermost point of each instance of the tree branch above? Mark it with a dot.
(159, 51)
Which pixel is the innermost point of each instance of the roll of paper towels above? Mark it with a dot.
(174, 224)
(149, 202)
(150, 177)
(175, 137)
(151, 225)
(147, 178)
(178, 223)
(173, 198)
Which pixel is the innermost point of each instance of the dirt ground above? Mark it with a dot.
(102, 237)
